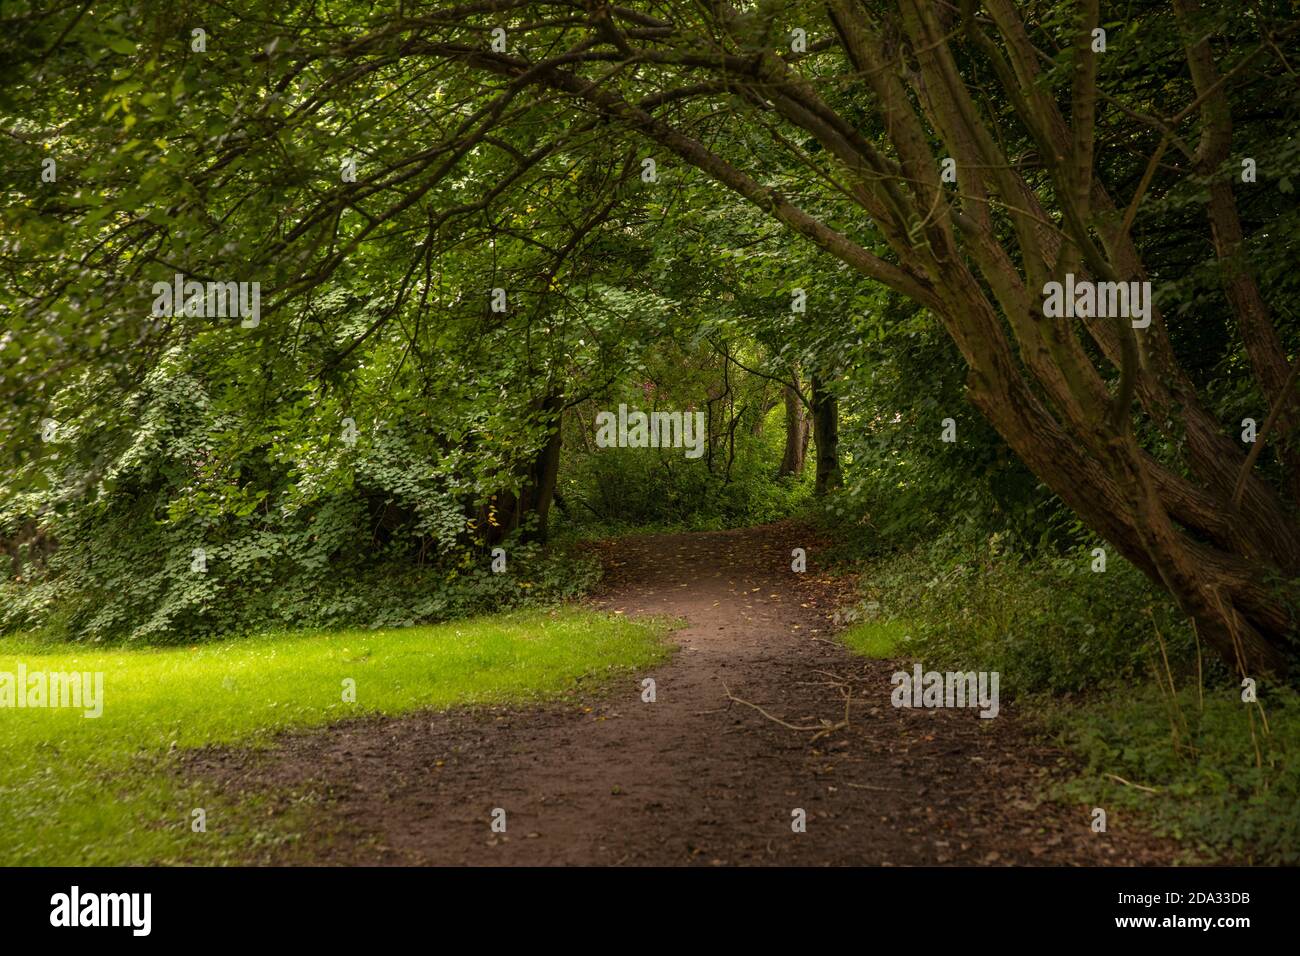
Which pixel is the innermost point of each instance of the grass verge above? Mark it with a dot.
(1218, 774)
(104, 791)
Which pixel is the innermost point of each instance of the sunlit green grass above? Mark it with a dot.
(879, 638)
(78, 790)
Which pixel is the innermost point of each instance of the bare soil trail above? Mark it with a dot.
(692, 778)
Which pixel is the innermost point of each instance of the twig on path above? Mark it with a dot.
(778, 720)
(847, 691)
(835, 678)
(817, 730)
(867, 786)
(835, 681)
(1138, 786)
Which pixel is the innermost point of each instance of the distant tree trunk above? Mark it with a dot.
(765, 405)
(797, 434)
(826, 434)
(28, 547)
(508, 510)
(545, 472)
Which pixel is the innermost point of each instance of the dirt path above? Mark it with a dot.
(690, 778)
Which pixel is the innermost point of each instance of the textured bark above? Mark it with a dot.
(1260, 338)
(797, 434)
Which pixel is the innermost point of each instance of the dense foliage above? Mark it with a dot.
(475, 229)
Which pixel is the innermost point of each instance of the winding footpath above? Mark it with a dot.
(694, 777)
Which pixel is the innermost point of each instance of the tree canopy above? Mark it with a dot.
(468, 223)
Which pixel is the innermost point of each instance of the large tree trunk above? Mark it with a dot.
(1258, 335)
(826, 436)
(797, 434)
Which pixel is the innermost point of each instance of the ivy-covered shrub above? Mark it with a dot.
(196, 528)
(1047, 622)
